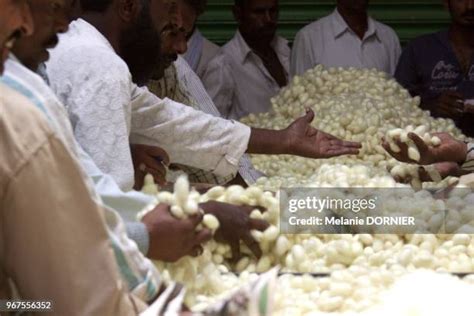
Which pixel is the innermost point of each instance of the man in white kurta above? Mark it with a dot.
(330, 41)
(108, 112)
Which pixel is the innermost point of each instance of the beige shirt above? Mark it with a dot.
(53, 241)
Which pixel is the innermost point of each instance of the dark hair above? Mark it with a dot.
(95, 5)
(197, 5)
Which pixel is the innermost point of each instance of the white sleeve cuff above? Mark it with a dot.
(236, 148)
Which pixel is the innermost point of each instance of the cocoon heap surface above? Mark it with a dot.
(357, 105)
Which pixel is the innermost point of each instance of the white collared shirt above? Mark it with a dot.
(108, 112)
(238, 81)
(329, 41)
(200, 52)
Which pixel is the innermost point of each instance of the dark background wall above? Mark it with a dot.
(409, 18)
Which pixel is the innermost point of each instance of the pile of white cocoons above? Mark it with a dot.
(369, 271)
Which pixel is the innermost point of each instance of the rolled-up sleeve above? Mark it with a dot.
(189, 137)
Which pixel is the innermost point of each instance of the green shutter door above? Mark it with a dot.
(409, 18)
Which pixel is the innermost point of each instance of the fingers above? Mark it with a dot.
(139, 180)
(196, 219)
(351, 144)
(235, 249)
(420, 143)
(203, 236)
(258, 224)
(334, 152)
(252, 244)
(153, 164)
(159, 154)
(196, 251)
(335, 141)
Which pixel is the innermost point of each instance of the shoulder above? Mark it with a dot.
(210, 46)
(386, 31)
(24, 131)
(315, 26)
(423, 40)
(87, 58)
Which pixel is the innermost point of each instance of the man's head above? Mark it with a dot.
(137, 25)
(191, 10)
(353, 6)
(462, 12)
(15, 21)
(50, 18)
(174, 37)
(257, 19)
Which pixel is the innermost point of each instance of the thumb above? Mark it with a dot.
(309, 116)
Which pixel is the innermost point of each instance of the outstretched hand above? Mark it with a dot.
(450, 150)
(306, 141)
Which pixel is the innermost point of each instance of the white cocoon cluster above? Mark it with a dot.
(357, 105)
(401, 135)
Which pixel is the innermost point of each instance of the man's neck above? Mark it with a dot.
(462, 36)
(102, 23)
(258, 45)
(358, 22)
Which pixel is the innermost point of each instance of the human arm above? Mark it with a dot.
(97, 98)
(73, 247)
(300, 139)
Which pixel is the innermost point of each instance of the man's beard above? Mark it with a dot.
(140, 48)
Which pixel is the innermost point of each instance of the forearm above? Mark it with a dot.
(269, 142)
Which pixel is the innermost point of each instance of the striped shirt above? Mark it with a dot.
(182, 85)
(138, 272)
(469, 163)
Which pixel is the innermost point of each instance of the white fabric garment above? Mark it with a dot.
(138, 272)
(237, 80)
(108, 111)
(329, 41)
(200, 52)
(203, 101)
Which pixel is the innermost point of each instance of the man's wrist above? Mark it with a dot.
(285, 142)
